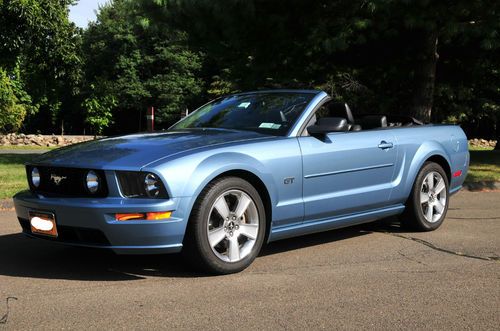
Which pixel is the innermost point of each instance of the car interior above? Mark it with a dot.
(331, 114)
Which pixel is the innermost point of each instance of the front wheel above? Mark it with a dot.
(428, 202)
(227, 226)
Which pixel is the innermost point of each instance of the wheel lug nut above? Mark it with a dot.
(237, 227)
(234, 217)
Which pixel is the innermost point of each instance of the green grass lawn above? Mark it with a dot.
(12, 174)
(484, 166)
(24, 147)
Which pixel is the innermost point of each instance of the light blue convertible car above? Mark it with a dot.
(240, 171)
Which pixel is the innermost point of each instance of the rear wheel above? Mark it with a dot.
(227, 226)
(428, 202)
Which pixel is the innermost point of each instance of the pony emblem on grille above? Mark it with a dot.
(57, 179)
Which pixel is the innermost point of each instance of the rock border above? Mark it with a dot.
(482, 143)
(21, 139)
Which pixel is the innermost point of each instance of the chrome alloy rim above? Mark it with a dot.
(233, 226)
(433, 197)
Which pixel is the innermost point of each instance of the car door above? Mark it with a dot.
(347, 172)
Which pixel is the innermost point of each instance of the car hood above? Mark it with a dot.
(138, 150)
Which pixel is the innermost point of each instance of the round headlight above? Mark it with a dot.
(152, 185)
(35, 177)
(92, 181)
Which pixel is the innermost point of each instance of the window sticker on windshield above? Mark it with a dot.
(244, 105)
(269, 126)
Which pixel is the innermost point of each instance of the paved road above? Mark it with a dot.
(366, 277)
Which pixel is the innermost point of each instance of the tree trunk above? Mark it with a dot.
(425, 77)
(497, 146)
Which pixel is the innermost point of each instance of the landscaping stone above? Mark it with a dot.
(13, 139)
(53, 140)
(482, 143)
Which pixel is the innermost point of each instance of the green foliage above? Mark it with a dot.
(40, 47)
(221, 84)
(140, 64)
(390, 56)
(12, 112)
(98, 112)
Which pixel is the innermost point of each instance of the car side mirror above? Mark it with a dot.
(326, 125)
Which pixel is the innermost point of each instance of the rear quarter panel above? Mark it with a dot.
(418, 144)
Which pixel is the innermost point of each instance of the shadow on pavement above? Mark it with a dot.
(383, 225)
(21, 256)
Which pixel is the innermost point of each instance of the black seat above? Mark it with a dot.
(338, 109)
(355, 127)
(373, 121)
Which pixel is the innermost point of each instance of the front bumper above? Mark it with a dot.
(91, 222)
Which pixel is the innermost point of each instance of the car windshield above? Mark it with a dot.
(271, 113)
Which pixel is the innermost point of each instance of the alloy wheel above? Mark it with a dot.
(233, 225)
(433, 196)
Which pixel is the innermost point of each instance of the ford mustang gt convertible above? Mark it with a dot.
(241, 171)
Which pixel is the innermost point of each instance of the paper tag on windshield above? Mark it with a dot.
(244, 105)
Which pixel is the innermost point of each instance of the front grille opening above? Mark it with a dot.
(66, 182)
(131, 184)
(71, 235)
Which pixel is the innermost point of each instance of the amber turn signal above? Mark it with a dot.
(158, 215)
(155, 216)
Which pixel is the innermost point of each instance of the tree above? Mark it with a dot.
(385, 52)
(98, 112)
(140, 64)
(12, 112)
(433, 60)
(430, 24)
(40, 47)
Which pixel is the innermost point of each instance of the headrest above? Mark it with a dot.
(334, 124)
(338, 109)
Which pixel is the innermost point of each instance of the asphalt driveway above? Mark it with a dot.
(370, 277)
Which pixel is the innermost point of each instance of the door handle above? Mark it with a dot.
(385, 145)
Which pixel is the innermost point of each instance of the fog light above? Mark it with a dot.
(35, 177)
(92, 181)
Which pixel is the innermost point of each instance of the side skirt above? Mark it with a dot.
(307, 227)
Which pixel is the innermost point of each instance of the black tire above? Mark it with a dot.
(416, 214)
(197, 246)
